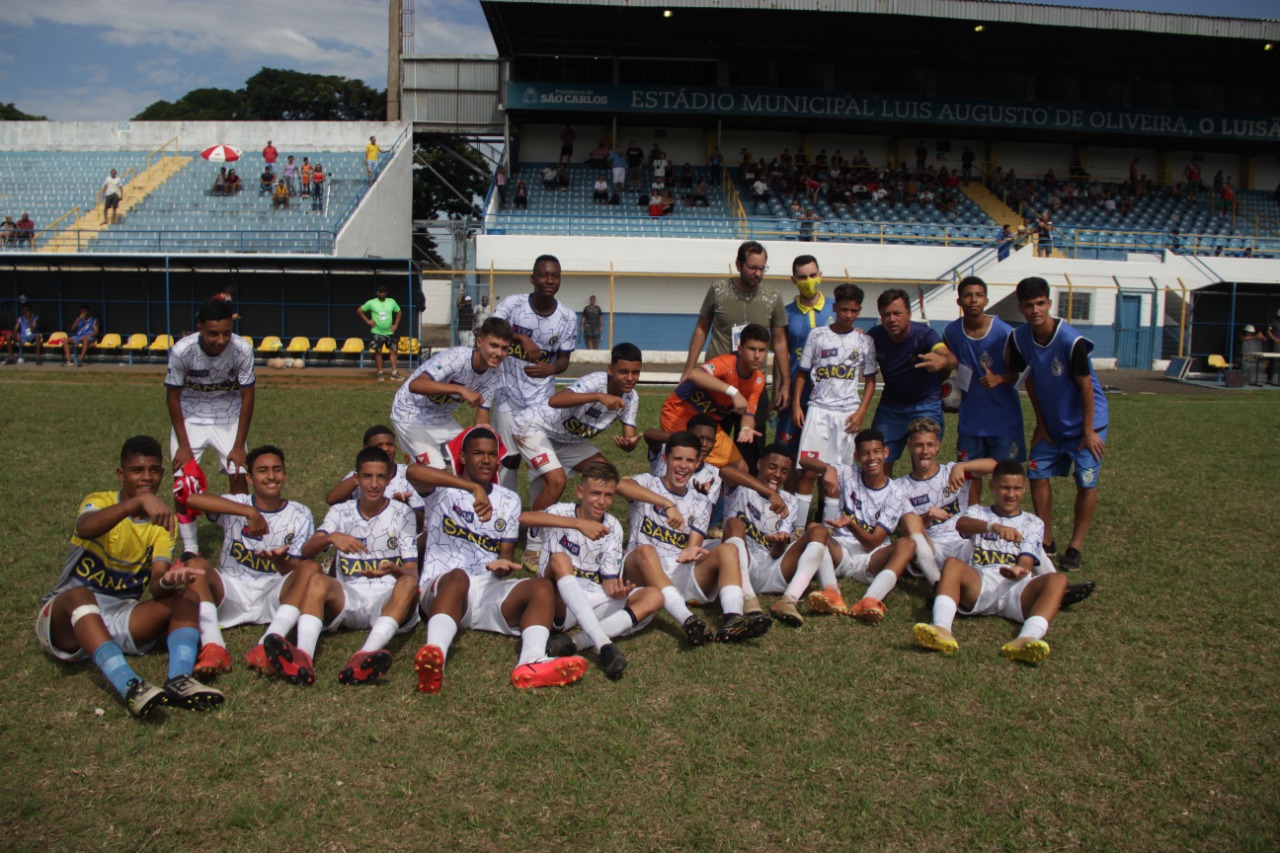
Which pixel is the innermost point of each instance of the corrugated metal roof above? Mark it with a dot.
(979, 11)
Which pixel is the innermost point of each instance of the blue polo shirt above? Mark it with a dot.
(904, 383)
(801, 320)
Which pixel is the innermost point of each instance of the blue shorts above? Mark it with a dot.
(893, 420)
(997, 447)
(785, 431)
(1056, 460)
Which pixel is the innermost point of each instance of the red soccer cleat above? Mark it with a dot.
(256, 660)
(213, 659)
(293, 664)
(365, 666)
(549, 673)
(429, 663)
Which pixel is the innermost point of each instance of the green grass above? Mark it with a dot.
(1152, 726)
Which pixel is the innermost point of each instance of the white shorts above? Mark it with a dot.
(619, 174)
(485, 597)
(542, 454)
(603, 607)
(115, 613)
(426, 440)
(683, 579)
(1000, 596)
(249, 600)
(221, 437)
(824, 437)
(856, 563)
(503, 422)
(767, 577)
(363, 606)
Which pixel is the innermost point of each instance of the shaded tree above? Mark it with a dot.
(197, 105)
(450, 179)
(275, 94)
(8, 112)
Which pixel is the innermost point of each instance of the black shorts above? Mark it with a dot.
(111, 202)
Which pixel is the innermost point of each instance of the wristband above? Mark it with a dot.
(167, 586)
(991, 527)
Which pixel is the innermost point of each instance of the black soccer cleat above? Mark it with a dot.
(696, 631)
(612, 662)
(1071, 560)
(561, 646)
(1076, 593)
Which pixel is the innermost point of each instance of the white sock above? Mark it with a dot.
(674, 604)
(210, 633)
(576, 600)
(804, 504)
(533, 644)
(926, 557)
(190, 542)
(1035, 628)
(383, 630)
(830, 509)
(827, 569)
(533, 542)
(944, 611)
(616, 623)
(286, 616)
(806, 568)
(881, 584)
(744, 565)
(441, 629)
(508, 478)
(309, 628)
(731, 599)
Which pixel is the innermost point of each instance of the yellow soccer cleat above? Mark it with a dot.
(1026, 650)
(934, 639)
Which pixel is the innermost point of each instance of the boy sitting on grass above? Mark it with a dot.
(1001, 577)
(398, 488)
(376, 563)
(119, 550)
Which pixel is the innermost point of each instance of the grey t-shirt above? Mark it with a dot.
(730, 308)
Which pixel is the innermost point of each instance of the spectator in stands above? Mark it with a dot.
(233, 183)
(112, 193)
(715, 162)
(500, 182)
(1174, 243)
(1044, 228)
(659, 164)
(522, 195)
(685, 181)
(1133, 173)
(269, 154)
(807, 218)
(618, 166)
(317, 187)
(635, 166)
(266, 182)
(747, 161)
(600, 194)
(305, 171)
(291, 176)
(966, 164)
(562, 177)
(567, 136)
(655, 202)
(922, 155)
(8, 232)
(466, 321)
(668, 202)
(1192, 174)
(484, 312)
(1228, 197)
(280, 197)
(25, 331)
(699, 197)
(549, 177)
(1217, 184)
(220, 182)
(84, 333)
(599, 158)
(371, 152)
(26, 232)
(591, 324)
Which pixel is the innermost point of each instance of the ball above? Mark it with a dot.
(951, 395)
(299, 363)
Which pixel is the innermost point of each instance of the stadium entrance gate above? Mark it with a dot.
(1133, 340)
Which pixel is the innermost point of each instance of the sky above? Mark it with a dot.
(106, 60)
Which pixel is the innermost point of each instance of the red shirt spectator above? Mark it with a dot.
(269, 153)
(26, 229)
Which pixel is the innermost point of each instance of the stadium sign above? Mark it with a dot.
(955, 112)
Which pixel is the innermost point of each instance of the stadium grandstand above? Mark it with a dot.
(1130, 158)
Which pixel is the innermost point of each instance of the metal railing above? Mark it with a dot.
(177, 241)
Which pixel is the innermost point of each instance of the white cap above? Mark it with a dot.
(1249, 330)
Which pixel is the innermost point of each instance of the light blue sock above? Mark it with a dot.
(110, 660)
(184, 645)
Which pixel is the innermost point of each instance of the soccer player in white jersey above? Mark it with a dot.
(582, 556)
(422, 411)
(210, 394)
(670, 556)
(262, 536)
(762, 536)
(555, 437)
(838, 360)
(398, 488)
(544, 333)
(471, 529)
(1002, 576)
(376, 564)
(864, 513)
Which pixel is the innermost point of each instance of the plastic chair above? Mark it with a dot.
(353, 347)
(137, 343)
(110, 343)
(55, 339)
(269, 344)
(162, 344)
(325, 346)
(299, 345)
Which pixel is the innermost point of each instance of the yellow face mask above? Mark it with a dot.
(809, 286)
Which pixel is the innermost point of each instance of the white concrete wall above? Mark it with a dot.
(382, 225)
(194, 135)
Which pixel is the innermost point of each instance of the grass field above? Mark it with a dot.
(1152, 726)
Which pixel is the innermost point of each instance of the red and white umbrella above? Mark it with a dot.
(221, 153)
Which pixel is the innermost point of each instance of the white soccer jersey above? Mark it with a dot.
(594, 560)
(398, 484)
(923, 495)
(579, 423)
(989, 550)
(838, 365)
(649, 524)
(869, 508)
(761, 522)
(458, 539)
(389, 535)
(287, 527)
(210, 385)
(553, 335)
(706, 479)
(455, 367)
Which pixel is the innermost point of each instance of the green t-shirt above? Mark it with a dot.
(383, 312)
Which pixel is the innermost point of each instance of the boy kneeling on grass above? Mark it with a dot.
(999, 578)
(119, 550)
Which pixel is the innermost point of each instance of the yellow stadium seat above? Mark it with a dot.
(270, 344)
(137, 343)
(110, 344)
(325, 345)
(353, 347)
(162, 343)
(55, 339)
(1217, 362)
(299, 345)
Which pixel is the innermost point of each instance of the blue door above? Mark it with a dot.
(1133, 340)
